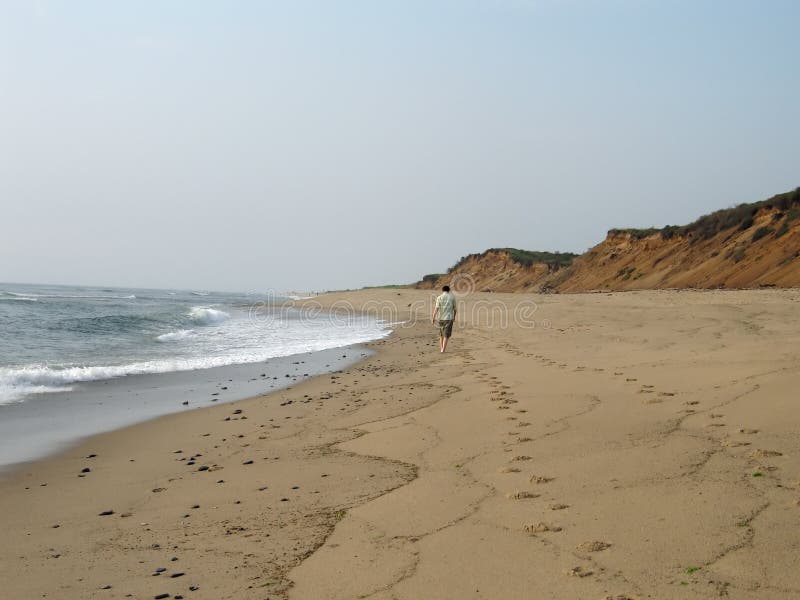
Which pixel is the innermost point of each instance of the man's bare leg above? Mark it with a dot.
(444, 343)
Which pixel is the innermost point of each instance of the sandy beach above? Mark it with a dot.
(624, 446)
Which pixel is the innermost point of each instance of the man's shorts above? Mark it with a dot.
(446, 328)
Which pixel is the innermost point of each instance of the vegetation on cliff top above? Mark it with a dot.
(740, 217)
(554, 260)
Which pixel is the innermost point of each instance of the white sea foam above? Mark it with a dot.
(204, 315)
(175, 336)
(15, 383)
(206, 337)
(10, 393)
(32, 296)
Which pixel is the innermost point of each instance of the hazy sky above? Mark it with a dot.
(312, 145)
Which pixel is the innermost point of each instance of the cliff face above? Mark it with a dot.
(492, 271)
(751, 245)
(754, 256)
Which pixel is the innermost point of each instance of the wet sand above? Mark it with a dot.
(630, 445)
(46, 423)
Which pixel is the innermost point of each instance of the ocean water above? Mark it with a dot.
(52, 337)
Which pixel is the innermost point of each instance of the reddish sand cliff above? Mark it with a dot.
(751, 245)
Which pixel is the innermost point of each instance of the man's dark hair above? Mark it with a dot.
(446, 288)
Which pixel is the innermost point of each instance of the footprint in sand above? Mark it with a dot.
(521, 495)
(521, 457)
(734, 443)
(665, 394)
(765, 453)
(522, 440)
(594, 546)
(631, 379)
(540, 527)
(748, 431)
(540, 479)
(577, 572)
(508, 470)
(558, 506)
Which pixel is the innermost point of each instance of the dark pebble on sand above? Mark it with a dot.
(195, 506)
(190, 463)
(284, 499)
(203, 468)
(174, 558)
(248, 462)
(92, 456)
(186, 403)
(224, 387)
(106, 513)
(161, 596)
(174, 575)
(86, 470)
(106, 587)
(221, 481)
(238, 411)
(56, 526)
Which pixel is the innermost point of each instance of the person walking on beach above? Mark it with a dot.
(445, 309)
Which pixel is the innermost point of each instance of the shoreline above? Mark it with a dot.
(103, 406)
(102, 450)
(609, 453)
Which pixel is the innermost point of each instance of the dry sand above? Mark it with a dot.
(634, 445)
